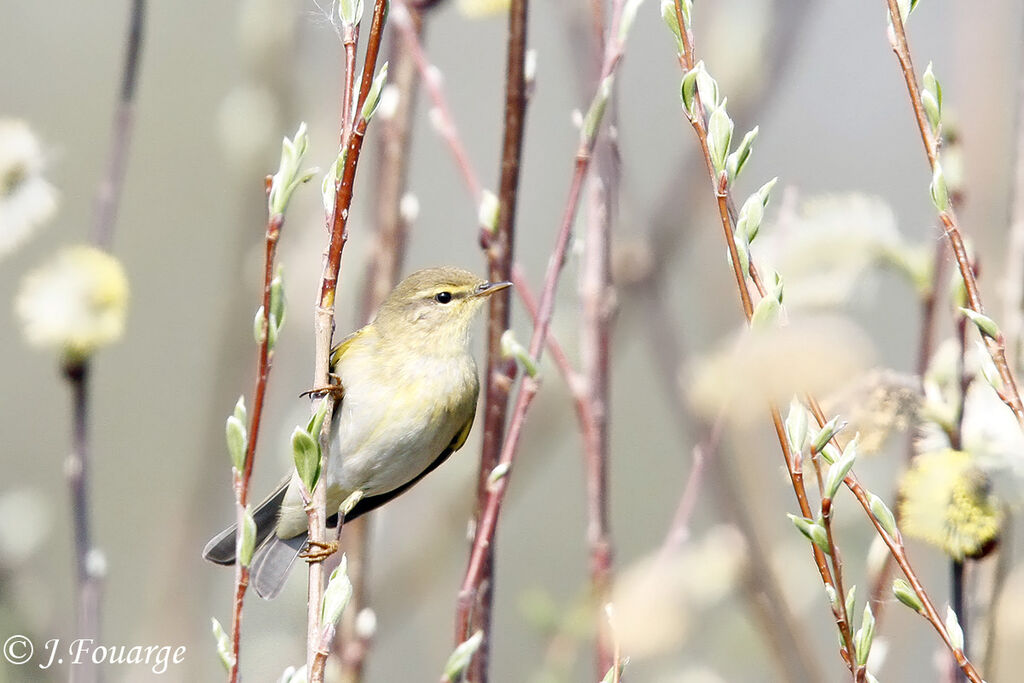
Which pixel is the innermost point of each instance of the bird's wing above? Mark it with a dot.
(339, 350)
(373, 502)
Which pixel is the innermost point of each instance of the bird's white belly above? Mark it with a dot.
(388, 436)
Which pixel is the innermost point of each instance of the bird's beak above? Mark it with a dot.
(488, 288)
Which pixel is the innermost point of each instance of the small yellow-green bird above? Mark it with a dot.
(410, 390)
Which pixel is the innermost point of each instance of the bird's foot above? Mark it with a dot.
(335, 388)
(317, 551)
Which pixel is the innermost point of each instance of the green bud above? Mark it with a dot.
(277, 302)
(337, 594)
(595, 113)
(349, 504)
(259, 326)
(796, 425)
(499, 472)
(884, 515)
(986, 325)
(707, 87)
(906, 7)
(238, 440)
(247, 541)
(905, 594)
(766, 313)
(240, 412)
(931, 99)
(956, 633)
(487, 214)
(688, 88)
(373, 96)
(720, 128)
(737, 160)
(329, 185)
(765, 191)
(223, 645)
(850, 602)
(511, 348)
(288, 176)
(988, 368)
(461, 656)
(833, 599)
(615, 671)
(293, 675)
(864, 636)
(938, 190)
(668, 15)
(272, 328)
(306, 453)
(627, 17)
(751, 215)
(837, 472)
(351, 12)
(826, 434)
(316, 421)
(813, 530)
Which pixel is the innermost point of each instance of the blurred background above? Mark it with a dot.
(221, 83)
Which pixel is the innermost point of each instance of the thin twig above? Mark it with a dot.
(88, 561)
(241, 479)
(495, 493)
(996, 345)
(500, 371)
(1013, 284)
(109, 195)
(895, 545)
(88, 575)
(324, 323)
(381, 276)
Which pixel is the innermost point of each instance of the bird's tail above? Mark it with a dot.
(273, 557)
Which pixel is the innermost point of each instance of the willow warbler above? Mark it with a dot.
(410, 390)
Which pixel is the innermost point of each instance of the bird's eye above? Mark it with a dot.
(443, 297)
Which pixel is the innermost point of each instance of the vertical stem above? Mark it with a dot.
(109, 194)
(316, 512)
(500, 371)
(88, 573)
(959, 605)
(381, 276)
(241, 479)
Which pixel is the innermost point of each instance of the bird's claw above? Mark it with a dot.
(335, 388)
(317, 551)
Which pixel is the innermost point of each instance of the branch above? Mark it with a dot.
(241, 479)
(395, 134)
(995, 343)
(721, 186)
(352, 135)
(477, 570)
(88, 560)
(109, 195)
(500, 371)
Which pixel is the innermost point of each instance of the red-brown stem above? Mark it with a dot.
(316, 511)
(996, 347)
(394, 136)
(793, 461)
(500, 371)
(899, 553)
(241, 479)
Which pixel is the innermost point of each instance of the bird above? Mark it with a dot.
(409, 388)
